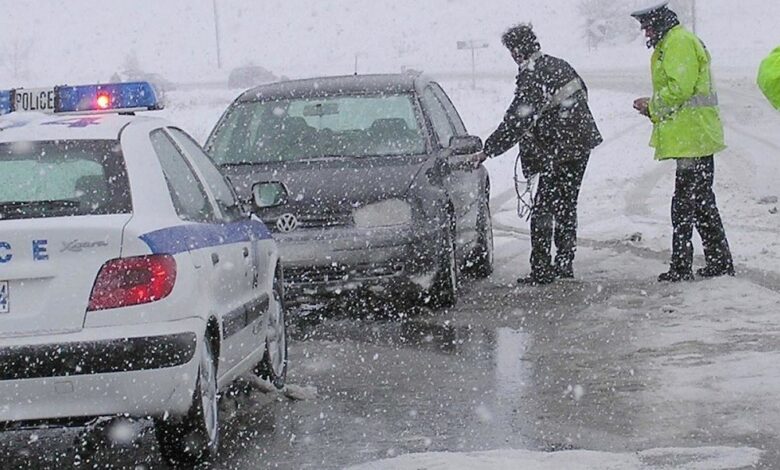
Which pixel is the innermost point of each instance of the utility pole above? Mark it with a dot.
(216, 34)
(472, 46)
(693, 15)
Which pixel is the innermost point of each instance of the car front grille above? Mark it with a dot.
(339, 274)
(320, 221)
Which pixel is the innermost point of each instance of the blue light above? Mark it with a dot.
(121, 96)
(5, 102)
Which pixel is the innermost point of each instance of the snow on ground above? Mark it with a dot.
(655, 459)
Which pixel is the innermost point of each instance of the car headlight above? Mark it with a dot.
(383, 214)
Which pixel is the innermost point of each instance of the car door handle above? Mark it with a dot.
(246, 252)
(214, 258)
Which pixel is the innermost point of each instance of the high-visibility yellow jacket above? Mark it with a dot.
(684, 106)
(769, 78)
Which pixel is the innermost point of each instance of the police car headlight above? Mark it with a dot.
(387, 213)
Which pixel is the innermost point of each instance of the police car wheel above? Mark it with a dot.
(194, 438)
(273, 366)
(444, 292)
(482, 257)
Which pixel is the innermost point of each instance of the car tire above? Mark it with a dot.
(482, 256)
(273, 366)
(194, 439)
(444, 291)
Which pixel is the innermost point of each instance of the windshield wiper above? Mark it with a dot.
(241, 163)
(46, 203)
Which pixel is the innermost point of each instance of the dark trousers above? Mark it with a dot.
(555, 215)
(694, 204)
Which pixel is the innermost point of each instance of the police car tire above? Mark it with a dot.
(265, 368)
(482, 257)
(186, 442)
(444, 292)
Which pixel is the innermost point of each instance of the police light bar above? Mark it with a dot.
(5, 102)
(109, 97)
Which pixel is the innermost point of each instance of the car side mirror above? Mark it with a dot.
(269, 194)
(465, 144)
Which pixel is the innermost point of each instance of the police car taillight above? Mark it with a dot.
(124, 282)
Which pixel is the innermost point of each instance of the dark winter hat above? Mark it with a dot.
(521, 38)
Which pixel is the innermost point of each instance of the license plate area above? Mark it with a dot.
(34, 99)
(5, 301)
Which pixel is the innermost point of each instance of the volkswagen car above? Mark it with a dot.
(368, 183)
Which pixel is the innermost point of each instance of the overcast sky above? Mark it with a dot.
(87, 40)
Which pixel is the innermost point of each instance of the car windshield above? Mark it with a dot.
(62, 178)
(304, 129)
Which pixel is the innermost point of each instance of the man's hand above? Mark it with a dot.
(643, 106)
(478, 158)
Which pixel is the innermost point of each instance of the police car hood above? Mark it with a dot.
(48, 267)
(334, 184)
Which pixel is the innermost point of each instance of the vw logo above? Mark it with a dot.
(287, 223)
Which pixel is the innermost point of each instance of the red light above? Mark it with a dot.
(124, 282)
(103, 100)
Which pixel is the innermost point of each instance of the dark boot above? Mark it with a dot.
(716, 271)
(564, 272)
(535, 279)
(675, 276)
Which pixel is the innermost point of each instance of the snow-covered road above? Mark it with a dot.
(610, 371)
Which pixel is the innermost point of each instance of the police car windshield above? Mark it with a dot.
(62, 178)
(317, 128)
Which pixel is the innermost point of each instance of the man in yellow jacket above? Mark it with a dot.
(769, 78)
(686, 128)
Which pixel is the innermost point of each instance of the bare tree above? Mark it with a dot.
(608, 22)
(16, 58)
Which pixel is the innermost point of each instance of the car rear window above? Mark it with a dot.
(302, 129)
(62, 178)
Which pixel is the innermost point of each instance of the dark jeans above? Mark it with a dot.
(694, 204)
(555, 215)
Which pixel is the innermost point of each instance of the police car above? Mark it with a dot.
(132, 282)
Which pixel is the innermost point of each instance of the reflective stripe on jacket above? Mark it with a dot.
(769, 78)
(686, 121)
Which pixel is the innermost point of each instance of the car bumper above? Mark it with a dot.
(145, 370)
(330, 262)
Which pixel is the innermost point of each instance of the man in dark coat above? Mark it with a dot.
(549, 117)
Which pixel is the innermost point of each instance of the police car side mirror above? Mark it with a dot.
(465, 145)
(269, 194)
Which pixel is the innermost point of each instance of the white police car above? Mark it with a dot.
(131, 280)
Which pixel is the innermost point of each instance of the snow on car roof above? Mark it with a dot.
(30, 126)
(340, 85)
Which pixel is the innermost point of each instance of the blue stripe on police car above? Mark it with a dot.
(190, 237)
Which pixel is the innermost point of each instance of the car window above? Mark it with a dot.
(62, 178)
(223, 193)
(438, 116)
(186, 190)
(307, 128)
(460, 128)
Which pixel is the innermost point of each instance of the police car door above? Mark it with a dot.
(214, 259)
(250, 265)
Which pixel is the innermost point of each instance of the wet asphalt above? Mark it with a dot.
(520, 368)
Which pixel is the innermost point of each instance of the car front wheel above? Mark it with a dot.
(194, 439)
(444, 292)
(482, 256)
(273, 366)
